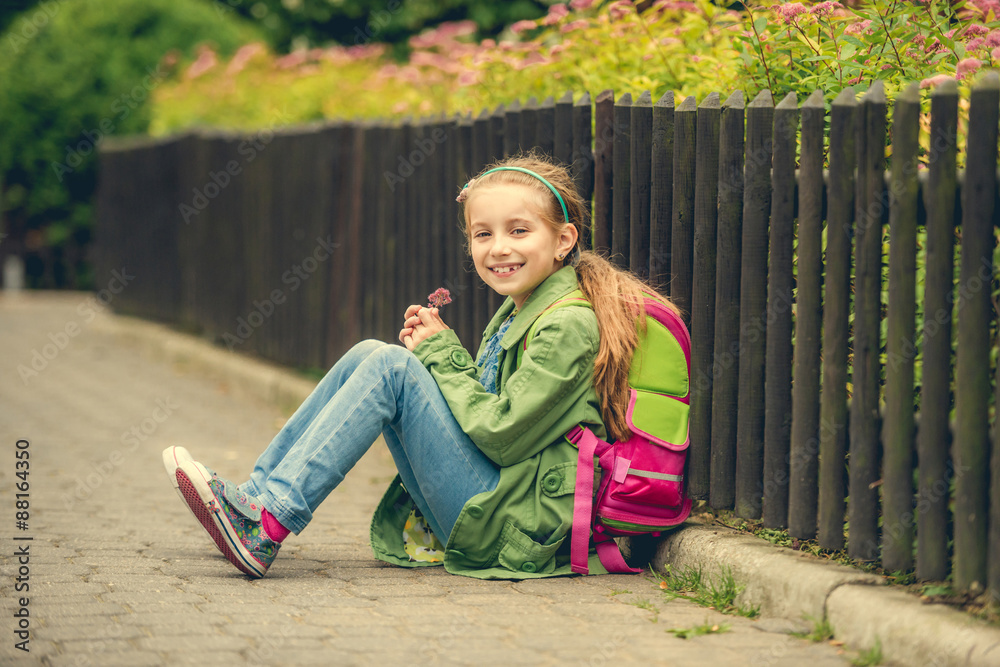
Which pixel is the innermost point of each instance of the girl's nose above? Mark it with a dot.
(500, 248)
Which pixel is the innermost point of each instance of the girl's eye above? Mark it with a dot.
(519, 230)
(480, 235)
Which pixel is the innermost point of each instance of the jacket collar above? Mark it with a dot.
(558, 285)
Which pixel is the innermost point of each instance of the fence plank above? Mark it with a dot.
(778, 370)
(640, 151)
(725, 375)
(803, 455)
(545, 132)
(529, 125)
(706, 197)
(562, 139)
(583, 160)
(898, 432)
(753, 304)
(682, 224)
(622, 182)
(833, 414)
(972, 378)
(934, 435)
(496, 152)
(661, 194)
(864, 437)
(512, 128)
(604, 151)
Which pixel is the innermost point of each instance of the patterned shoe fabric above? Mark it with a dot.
(230, 516)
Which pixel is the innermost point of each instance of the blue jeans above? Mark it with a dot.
(375, 388)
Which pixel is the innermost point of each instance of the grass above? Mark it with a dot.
(620, 591)
(822, 631)
(719, 594)
(648, 606)
(872, 656)
(704, 629)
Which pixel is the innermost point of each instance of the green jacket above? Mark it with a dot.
(520, 529)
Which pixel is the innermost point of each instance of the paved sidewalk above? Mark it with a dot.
(121, 574)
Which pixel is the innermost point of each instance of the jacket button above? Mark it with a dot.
(475, 511)
(528, 566)
(552, 482)
(460, 358)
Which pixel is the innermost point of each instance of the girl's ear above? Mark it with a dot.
(568, 237)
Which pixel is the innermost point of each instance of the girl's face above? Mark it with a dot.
(513, 248)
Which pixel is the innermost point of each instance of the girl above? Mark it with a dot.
(483, 464)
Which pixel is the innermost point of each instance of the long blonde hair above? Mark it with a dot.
(616, 295)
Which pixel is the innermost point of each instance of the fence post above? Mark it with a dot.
(833, 413)
(622, 182)
(583, 159)
(897, 474)
(804, 448)
(641, 157)
(934, 435)
(753, 304)
(682, 224)
(661, 196)
(706, 212)
(972, 372)
(778, 370)
(871, 209)
(604, 151)
(726, 344)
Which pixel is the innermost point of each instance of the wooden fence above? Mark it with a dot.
(294, 244)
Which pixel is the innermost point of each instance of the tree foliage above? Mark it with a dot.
(72, 72)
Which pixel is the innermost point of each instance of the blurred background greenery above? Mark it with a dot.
(73, 71)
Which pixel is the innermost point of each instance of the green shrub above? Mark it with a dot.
(71, 72)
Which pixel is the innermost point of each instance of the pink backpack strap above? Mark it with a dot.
(590, 445)
(583, 499)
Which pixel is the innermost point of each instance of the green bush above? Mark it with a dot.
(72, 72)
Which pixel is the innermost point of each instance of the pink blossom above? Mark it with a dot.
(968, 66)
(580, 5)
(205, 61)
(983, 7)
(243, 56)
(579, 24)
(859, 28)
(533, 58)
(790, 10)
(825, 8)
(993, 39)
(556, 14)
(995, 53)
(468, 78)
(974, 44)
(975, 30)
(293, 59)
(439, 297)
(521, 26)
(620, 9)
(558, 48)
(936, 80)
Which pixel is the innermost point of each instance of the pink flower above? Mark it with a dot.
(580, 5)
(521, 26)
(243, 56)
(974, 44)
(859, 28)
(468, 78)
(438, 298)
(579, 24)
(825, 8)
(995, 53)
(206, 60)
(556, 13)
(975, 30)
(790, 10)
(620, 9)
(968, 66)
(993, 39)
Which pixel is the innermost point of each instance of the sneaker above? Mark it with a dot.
(231, 517)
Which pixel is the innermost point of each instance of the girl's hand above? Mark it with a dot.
(420, 323)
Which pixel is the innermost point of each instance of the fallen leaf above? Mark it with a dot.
(836, 642)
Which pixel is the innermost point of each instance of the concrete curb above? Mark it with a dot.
(783, 583)
(793, 585)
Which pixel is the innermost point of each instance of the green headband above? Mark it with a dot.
(539, 177)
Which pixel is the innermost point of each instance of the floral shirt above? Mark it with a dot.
(489, 361)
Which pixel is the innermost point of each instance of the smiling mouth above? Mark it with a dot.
(505, 270)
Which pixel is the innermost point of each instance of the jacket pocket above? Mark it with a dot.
(520, 553)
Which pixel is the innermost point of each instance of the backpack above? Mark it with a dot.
(641, 488)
